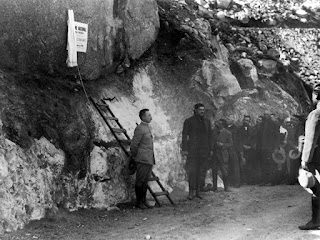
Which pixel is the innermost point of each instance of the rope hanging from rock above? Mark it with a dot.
(84, 89)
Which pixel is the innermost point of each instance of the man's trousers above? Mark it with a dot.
(143, 174)
(194, 166)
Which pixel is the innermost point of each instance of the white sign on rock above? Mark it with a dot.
(81, 30)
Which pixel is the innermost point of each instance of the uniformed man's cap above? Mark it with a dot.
(316, 87)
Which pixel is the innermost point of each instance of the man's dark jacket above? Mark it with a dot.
(245, 136)
(196, 136)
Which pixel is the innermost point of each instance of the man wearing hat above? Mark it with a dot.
(310, 158)
(196, 144)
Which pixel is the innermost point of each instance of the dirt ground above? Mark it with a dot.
(248, 212)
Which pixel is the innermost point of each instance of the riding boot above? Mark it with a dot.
(139, 197)
(144, 198)
(226, 184)
(198, 190)
(214, 181)
(191, 191)
(314, 223)
(190, 197)
(198, 193)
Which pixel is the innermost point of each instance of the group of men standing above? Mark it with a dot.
(244, 154)
(237, 151)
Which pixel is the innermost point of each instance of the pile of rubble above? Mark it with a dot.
(297, 49)
(270, 12)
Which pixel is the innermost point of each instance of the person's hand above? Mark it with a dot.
(243, 161)
(304, 165)
(211, 153)
(246, 147)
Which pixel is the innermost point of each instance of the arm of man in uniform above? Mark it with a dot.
(229, 143)
(138, 133)
(311, 137)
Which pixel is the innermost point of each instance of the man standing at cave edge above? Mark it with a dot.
(141, 149)
(196, 144)
(310, 158)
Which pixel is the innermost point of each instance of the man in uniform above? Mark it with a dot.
(196, 143)
(222, 143)
(310, 158)
(141, 149)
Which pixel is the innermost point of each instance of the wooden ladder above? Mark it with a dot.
(107, 115)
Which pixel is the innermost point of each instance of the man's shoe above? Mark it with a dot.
(190, 197)
(199, 196)
(310, 226)
(191, 194)
(147, 204)
(204, 189)
(214, 189)
(141, 206)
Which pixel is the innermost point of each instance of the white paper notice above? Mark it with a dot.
(81, 36)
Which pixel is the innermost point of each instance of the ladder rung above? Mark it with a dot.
(102, 104)
(112, 118)
(153, 179)
(161, 193)
(119, 130)
(125, 141)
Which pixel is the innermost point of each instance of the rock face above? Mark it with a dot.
(54, 146)
(117, 30)
(27, 181)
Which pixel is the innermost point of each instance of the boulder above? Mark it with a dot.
(38, 43)
(248, 76)
(267, 67)
(273, 52)
(224, 4)
(141, 25)
(218, 81)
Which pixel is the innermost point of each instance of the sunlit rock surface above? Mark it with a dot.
(27, 181)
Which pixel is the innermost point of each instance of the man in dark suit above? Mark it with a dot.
(234, 163)
(196, 144)
(269, 142)
(141, 149)
(310, 158)
(245, 146)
